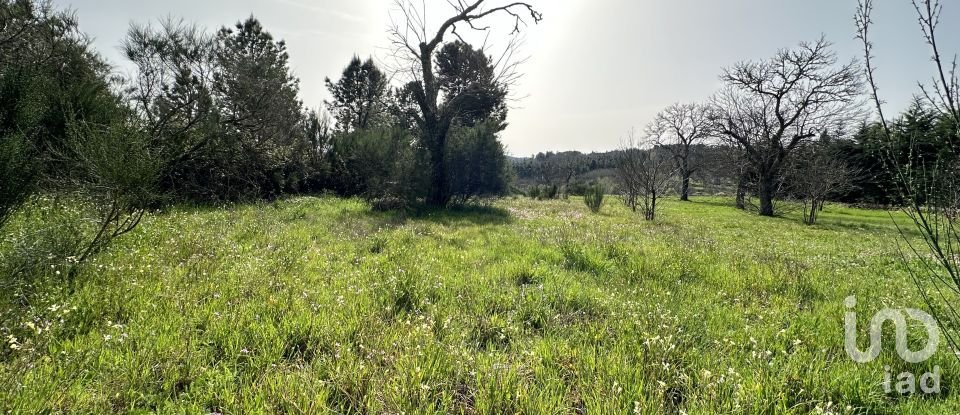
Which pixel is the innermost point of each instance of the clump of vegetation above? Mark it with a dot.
(544, 192)
(593, 197)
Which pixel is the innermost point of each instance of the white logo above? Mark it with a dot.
(906, 381)
(876, 327)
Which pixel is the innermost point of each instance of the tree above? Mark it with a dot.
(170, 92)
(48, 77)
(643, 174)
(256, 96)
(770, 108)
(677, 129)
(222, 109)
(929, 187)
(64, 129)
(817, 174)
(462, 76)
(317, 146)
(118, 172)
(360, 96)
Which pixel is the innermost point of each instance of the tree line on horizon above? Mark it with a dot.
(852, 168)
(791, 127)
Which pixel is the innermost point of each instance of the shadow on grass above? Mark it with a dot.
(845, 225)
(712, 201)
(462, 215)
(833, 219)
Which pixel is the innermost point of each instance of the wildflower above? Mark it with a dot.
(13, 342)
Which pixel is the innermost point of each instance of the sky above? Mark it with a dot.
(594, 69)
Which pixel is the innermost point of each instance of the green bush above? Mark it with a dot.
(594, 197)
(117, 174)
(477, 163)
(544, 192)
(15, 174)
(534, 192)
(379, 164)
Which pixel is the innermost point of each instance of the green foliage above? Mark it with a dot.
(921, 140)
(117, 174)
(593, 198)
(16, 179)
(116, 162)
(223, 109)
(467, 75)
(377, 164)
(48, 76)
(63, 132)
(360, 96)
(548, 192)
(477, 163)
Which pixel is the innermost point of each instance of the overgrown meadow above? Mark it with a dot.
(319, 305)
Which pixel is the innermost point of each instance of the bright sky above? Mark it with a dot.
(596, 68)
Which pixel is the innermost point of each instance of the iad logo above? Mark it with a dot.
(906, 381)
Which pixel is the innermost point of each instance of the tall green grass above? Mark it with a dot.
(318, 305)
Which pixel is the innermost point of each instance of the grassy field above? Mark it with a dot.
(318, 305)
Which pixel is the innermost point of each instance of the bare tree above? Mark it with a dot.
(415, 47)
(930, 189)
(643, 172)
(817, 174)
(731, 165)
(770, 108)
(677, 129)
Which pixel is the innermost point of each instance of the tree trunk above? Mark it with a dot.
(816, 206)
(766, 192)
(685, 182)
(434, 131)
(742, 192)
(653, 206)
(649, 215)
(438, 195)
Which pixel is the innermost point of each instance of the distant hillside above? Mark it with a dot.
(574, 170)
